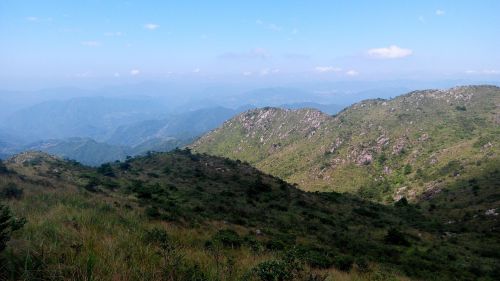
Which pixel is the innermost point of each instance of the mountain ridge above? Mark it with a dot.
(375, 147)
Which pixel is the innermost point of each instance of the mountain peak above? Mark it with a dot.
(384, 149)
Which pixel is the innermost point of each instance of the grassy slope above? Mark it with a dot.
(380, 149)
(86, 224)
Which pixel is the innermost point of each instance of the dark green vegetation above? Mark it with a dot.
(184, 216)
(411, 146)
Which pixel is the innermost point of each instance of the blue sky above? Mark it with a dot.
(61, 41)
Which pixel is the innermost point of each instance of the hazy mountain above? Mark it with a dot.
(84, 150)
(410, 146)
(93, 117)
(162, 210)
(180, 126)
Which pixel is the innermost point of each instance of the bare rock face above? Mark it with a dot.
(365, 158)
(432, 190)
(399, 146)
(32, 157)
(491, 212)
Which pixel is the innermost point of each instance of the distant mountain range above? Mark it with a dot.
(409, 146)
(95, 130)
(93, 117)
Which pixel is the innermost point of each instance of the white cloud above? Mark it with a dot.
(247, 73)
(82, 75)
(352, 72)
(440, 12)
(91, 43)
(270, 26)
(267, 71)
(197, 70)
(256, 53)
(113, 34)
(135, 72)
(483, 72)
(327, 69)
(491, 71)
(421, 19)
(116, 74)
(295, 31)
(151, 26)
(38, 19)
(391, 52)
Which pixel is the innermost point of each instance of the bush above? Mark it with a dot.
(257, 187)
(10, 191)
(228, 238)
(106, 170)
(8, 224)
(396, 237)
(343, 263)
(92, 184)
(124, 166)
(403, 202)
(362, 265)
(273, 271)
(407, 169)
(316, 257)
(152, 212)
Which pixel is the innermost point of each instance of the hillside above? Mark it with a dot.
(410, 146)
(183, 216)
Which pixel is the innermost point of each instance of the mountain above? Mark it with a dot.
(93, 117)
(410, 146)
(84, 150)
(182, 126)
(114, 141)
(185, 216)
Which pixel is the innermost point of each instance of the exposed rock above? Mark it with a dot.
(399, 146)
(491, 212)
(364, 159)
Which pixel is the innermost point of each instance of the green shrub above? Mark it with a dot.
(228, 238)
(343, 262)
(318, 258)
(8, 224)
(403, 202)
(152, 212)
(106, 170)
(92, 184)
(396, 237)
(11, 191)
(407, 169)
(362, 264)
(124, 166)
(272, 271)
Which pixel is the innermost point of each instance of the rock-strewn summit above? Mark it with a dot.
(410, 146)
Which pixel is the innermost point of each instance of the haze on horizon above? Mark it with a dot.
(90, 44)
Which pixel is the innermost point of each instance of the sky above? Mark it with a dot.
(52, 43)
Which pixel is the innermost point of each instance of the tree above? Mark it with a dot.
(396, 237)
(106, 170)
(8, 224)
(11, 191)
